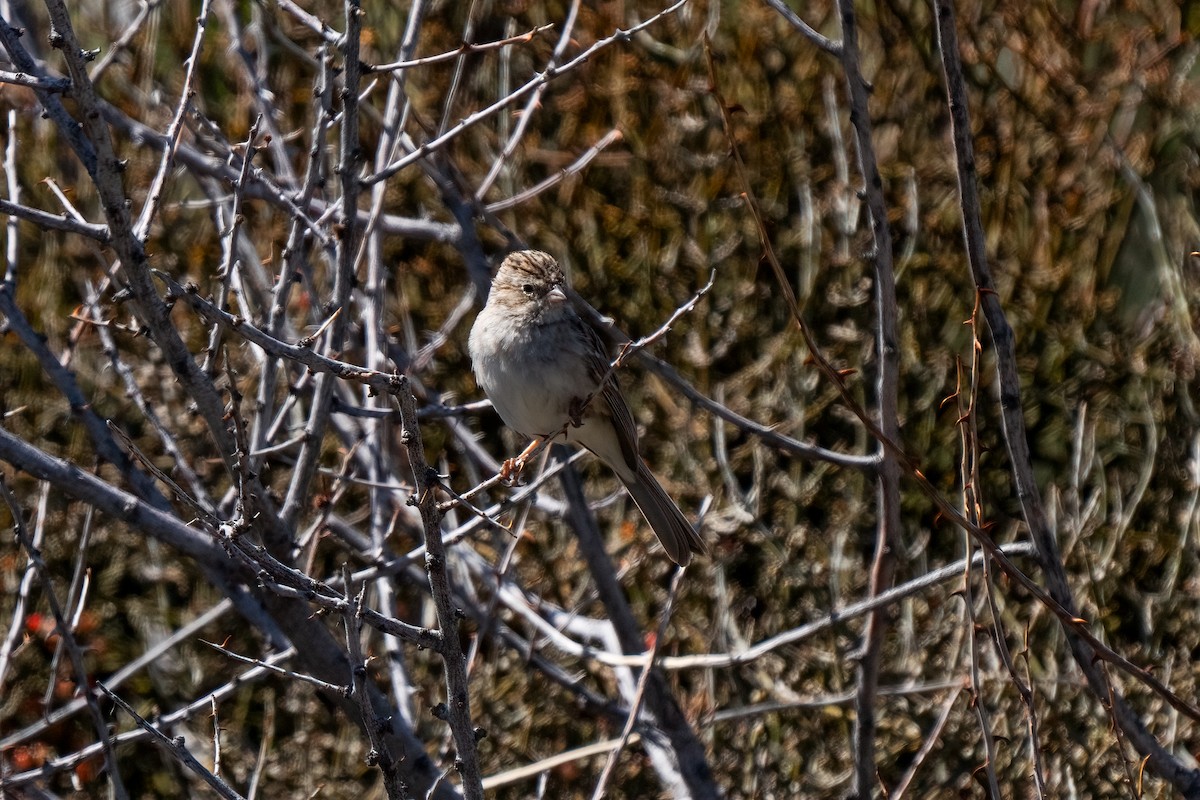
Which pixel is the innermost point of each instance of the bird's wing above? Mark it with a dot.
(612, 403)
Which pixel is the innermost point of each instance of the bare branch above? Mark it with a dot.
(49, 85)
(176, 748)
(512, 97)
(828, 45)
(467, 47)
(457, 708)
(68, 638)
(55, 222)
(1186, 780)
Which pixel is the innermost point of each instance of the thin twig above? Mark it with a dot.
(793, 19)
(574, 168)
(229, 244)
(379, 756)
(1085, 647)
(466, 48)
(760, 649)
(55, 222)
(155, 193)
(287, 673)
(1066, 617)
(51, 85)
(458, 691)
(639, 694)
(927, 746)
(115, 48)
(887, 531)
(541, 78)
(525, 117)
(72, 645)
(118, 678)
(346, 249)
(568, 757)
(69, 762)
(176, 748)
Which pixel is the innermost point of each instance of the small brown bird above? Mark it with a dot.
(538, 361)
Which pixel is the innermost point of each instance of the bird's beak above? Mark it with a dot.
(556, 295)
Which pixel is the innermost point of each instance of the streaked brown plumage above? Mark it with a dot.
(538, 360)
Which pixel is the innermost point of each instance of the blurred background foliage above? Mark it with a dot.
(1085, 125)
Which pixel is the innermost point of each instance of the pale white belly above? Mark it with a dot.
(531, 374)
(536, 376)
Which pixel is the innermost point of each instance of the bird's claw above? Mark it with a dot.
(510, 470)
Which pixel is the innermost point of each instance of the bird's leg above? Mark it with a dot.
(510, 470)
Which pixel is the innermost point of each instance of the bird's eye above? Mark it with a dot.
(529, 289)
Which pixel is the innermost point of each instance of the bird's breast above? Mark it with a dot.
(532, 372)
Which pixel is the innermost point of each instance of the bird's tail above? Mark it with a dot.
(677, 535)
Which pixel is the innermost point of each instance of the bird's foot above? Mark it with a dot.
(510, 470)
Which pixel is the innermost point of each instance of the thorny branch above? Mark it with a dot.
(1088, 651)
(1067, 618)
